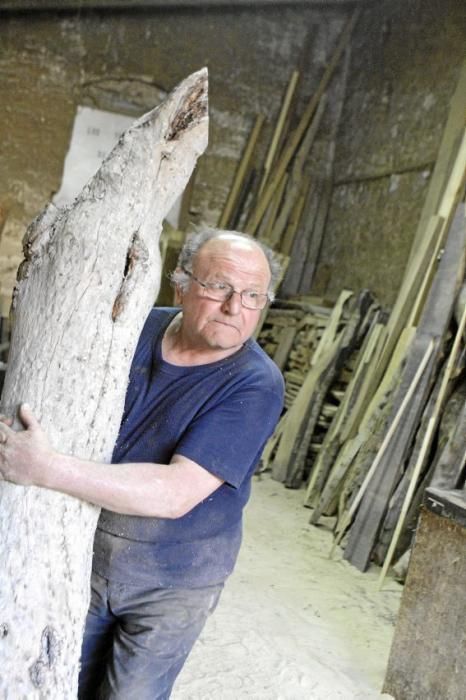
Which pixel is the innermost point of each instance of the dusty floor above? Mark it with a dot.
(292, 624)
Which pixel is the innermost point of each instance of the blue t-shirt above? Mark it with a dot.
(219, 415)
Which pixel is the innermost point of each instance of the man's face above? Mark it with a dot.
(216, 325)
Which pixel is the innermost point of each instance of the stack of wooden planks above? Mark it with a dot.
(319, 365)
(396, 423)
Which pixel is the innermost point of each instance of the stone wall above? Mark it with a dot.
(404, 61)
(118, 61)
(406, 57)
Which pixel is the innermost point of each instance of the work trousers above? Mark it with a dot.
(137, 638)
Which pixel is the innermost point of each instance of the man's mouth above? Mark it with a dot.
(225, 323)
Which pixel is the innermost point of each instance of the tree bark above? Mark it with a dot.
(90, 276)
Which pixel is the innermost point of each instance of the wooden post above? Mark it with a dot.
(90, 276)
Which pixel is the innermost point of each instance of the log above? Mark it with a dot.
(90, 276)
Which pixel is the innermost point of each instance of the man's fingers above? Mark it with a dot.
(6, 420)
(28, 419)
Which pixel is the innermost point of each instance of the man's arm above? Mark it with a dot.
(145, 489)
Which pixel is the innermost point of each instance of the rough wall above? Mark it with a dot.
(405, 63)
(405, 59)
(51, 63)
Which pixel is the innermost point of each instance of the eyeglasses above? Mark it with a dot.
(221, 291)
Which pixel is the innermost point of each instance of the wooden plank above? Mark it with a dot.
(316, 237)
(447, 471)
(285, 344)
(315, 240)
(241, 172)
(292, 279)
(279, 128)
(265, 231)
(367, 428)
(293, 427)
(296, 175)
(288, 239)
(332, 441)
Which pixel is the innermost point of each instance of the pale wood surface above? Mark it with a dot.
(90, 277)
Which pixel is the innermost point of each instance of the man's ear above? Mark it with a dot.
(177, 291)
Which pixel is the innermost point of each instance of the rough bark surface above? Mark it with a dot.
(90, 275)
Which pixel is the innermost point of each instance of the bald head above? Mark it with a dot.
(211, 239)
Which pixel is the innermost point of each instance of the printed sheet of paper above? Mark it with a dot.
(95, 133)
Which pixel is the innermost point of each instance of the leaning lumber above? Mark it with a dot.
(226, 218)
(433, 324)
(294, 424)
(317, 234)
(299, 249)
(454, 128)
(416, 281)
(368, 432)
(296, 136)
(294, 185)
(332, 441)
(425, 447)
(326, 365)
(279, 128)
(90, 276)
(448, 468)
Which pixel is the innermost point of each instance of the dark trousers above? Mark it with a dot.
(137, 638)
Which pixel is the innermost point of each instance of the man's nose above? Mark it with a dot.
(233, 304)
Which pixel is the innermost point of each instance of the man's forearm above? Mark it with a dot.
(157, 490)
(144, 489)
(132, 489)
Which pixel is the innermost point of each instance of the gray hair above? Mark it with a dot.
(199, 238)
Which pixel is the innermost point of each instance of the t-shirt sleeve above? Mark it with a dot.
(227, 439)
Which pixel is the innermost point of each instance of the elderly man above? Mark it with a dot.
(202, 400)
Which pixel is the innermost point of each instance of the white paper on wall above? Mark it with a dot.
(95, 132)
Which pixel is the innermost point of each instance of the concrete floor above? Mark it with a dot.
(292, 624)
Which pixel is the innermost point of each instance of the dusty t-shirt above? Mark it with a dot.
(219, 415)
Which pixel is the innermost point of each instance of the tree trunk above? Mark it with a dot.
(90, 276)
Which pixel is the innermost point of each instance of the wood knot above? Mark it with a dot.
(49, 653)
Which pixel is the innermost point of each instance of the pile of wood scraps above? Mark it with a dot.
(317, 370)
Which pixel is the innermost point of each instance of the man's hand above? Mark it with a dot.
(25, 454)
